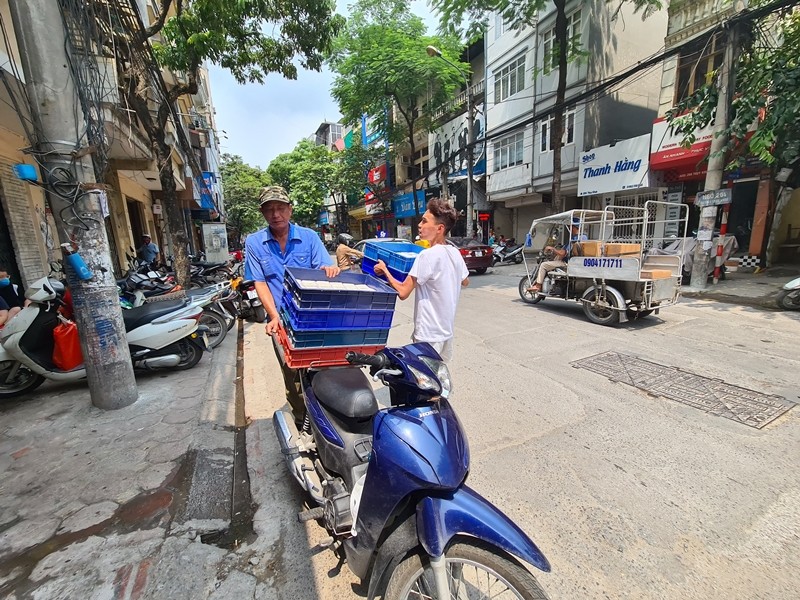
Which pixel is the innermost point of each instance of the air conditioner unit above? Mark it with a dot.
(405, 160)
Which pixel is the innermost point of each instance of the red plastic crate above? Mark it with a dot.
(319, 357)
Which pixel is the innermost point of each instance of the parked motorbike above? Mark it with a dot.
(249, 305)
(505, 254)
(789, 296)
(160, 335)
(389, 483)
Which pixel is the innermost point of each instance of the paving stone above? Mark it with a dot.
(88, 516)
(179, 416)
(162, 453)
(26, 534)
(235, 585)
(153, 476)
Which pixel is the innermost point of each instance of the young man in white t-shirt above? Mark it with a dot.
(438, 275)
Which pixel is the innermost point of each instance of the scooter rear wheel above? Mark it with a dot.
(473, 569)
(217, 327)
(24, 380)
(789, 299)
(190, 355)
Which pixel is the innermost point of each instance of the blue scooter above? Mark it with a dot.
(389, 483)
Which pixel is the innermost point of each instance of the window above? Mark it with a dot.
(500, 25)
(509, 80)
(508, 151)
(549, 41)
(569, 131)
(697, 64)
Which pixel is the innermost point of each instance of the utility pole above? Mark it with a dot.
(470, 199)
(55, 102)
(716, 164)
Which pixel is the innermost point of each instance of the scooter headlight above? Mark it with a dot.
(442, 374)
(424, 382)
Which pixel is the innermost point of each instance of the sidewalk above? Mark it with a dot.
(751, 289)
(112, 504)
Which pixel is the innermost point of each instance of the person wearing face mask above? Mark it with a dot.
(11, 294)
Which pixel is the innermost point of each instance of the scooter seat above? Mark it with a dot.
(208, 265)
(246, 283)
(346, 392)
(136, 317)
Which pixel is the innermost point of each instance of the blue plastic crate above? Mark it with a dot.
(332, 338)
(368, 266)
(310, 319)
(399, 256)
(311, 289)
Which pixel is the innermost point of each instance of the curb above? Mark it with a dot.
(763, 302)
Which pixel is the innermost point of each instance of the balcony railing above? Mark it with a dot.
(476, 90)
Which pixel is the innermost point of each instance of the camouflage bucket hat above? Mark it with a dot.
(273, 193)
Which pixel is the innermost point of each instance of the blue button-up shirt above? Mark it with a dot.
(265, 262)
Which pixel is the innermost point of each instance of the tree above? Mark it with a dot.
(242, 184)
(767, 92)
(383, 71)
(307, 174)
(468, 18)
(352, 167)
(250, 38)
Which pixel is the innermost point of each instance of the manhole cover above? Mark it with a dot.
(710, 395)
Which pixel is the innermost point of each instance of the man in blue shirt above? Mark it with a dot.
(268, 252)
(148, 251)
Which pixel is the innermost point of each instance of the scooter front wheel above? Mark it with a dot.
(789, 299)
(524, 284)
(16, 379)
(474, 571)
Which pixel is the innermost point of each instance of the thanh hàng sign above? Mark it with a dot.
(623, 166)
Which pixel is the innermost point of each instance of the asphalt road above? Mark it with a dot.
(628, 494)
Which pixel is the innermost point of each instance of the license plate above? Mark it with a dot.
(252, 294)
(478, 252)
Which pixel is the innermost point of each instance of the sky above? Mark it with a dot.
(258, 122)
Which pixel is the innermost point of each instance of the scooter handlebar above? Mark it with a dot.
(379, 361)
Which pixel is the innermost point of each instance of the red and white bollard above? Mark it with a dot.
(723, 229)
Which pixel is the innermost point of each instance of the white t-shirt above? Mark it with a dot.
(439, 271)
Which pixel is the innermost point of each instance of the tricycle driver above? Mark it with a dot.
(561, 255)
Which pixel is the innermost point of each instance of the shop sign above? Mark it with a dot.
(666, 151)
(377, 174)
(614, 168)
(404, 205)
(714, 197)
(156, 209)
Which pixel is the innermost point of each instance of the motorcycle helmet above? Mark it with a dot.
(346, 239)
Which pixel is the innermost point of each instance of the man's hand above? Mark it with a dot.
(331, 272)
(273, 325)
(380, 268)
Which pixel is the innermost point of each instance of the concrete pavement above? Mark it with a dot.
(748, 288)
(109, 504)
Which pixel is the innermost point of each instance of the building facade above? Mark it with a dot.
(521, 85)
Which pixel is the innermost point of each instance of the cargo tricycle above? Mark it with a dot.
(615, 266)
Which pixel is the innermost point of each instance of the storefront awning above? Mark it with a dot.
(667, 154)
(359, 213)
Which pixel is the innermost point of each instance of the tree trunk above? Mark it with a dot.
(176, 220)
(417, 214)
(557, 130)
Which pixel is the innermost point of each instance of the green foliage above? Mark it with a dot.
(242, 184)
(352, 166)
(381, 66)
(250, 38)
(767, 91)
(308, 174)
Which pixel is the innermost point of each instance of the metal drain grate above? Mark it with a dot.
(710, 395)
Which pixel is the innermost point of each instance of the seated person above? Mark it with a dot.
(3, 313)
(346, 255)
(11, 294)
(561, 255)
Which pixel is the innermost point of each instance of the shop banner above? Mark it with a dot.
(449, 143)
(404, 204)
(667, 152)
(614, 168)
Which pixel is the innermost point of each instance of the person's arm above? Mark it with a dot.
(403, 288)
(268, 302)
(320, 259)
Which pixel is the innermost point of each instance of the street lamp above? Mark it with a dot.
(433, 51)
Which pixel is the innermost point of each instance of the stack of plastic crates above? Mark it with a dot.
(398, 256)
(323, 318)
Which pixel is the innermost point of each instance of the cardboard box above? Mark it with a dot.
(656, 273)
(620, 249)
(591, 247)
